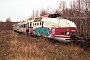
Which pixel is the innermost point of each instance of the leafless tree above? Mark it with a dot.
(43, 12)
(37, 14)
(8, 19)
(62, 7)
(33, 14)
(1, 21)
(8, 24)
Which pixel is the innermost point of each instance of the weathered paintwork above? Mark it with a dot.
(41, 31)
(51, 27)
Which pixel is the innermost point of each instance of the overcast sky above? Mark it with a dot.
(21, 9)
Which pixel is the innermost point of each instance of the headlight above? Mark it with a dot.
(67, 33)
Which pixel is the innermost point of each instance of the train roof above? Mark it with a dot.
(60, 22)
(57, 21)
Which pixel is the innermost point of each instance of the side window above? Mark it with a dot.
(40, 23)
(30, 25)
(37, 24)
(24, 26)
(21, 26)
(33, 24)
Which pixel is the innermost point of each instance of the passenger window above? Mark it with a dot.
(37, 23)
(33, 24)
(40, 23)
(30, 25)
(24, 26)
(27, 24)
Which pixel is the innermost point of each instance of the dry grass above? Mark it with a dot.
(21, 47)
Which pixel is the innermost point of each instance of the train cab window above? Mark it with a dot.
(54, 15)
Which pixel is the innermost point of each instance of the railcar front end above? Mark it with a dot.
(63, 34)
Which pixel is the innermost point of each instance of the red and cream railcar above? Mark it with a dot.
(60, 29)
(50, 26)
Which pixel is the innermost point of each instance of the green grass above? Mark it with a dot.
(14, 46)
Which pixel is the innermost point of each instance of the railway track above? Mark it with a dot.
(82, 42)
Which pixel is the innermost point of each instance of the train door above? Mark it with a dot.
(52, 31)
(24, 26)
(30, 28)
